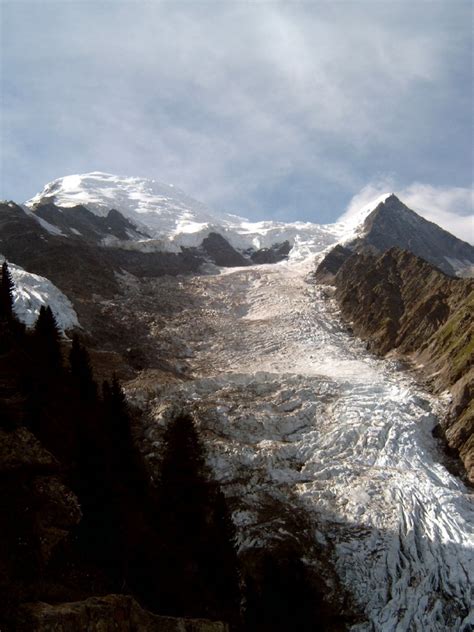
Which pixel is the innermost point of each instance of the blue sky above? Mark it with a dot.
(285, 110)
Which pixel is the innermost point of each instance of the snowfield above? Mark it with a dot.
(299, 417)
(173, 219)
(32, 291)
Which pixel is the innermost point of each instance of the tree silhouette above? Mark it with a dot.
(47, 341)
(280, 595)
(6, 293)
(81, 371)
(199, 561)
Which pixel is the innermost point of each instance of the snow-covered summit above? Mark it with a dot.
(168, 219)
(154, 205)
(166, 213)
(352, 221)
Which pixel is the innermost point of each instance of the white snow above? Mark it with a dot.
(32, 291)
(351, 223)
(171, 217)
(295, 410)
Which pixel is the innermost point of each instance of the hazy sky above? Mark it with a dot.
(267, 109)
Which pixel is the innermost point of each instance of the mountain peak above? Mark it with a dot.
(158, 207)
(392, 223)
(354, 218)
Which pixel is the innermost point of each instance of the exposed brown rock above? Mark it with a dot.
(327, 269)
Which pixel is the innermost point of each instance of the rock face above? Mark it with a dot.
(398, 301)
(327, 269)
(112, 613)
(392, 224)
(221, 252)
(80, 222)
(278, 252)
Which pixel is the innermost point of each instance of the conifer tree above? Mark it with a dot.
(6, 293)
(81, 370)
(117, 420)
(199, 561)
(47, 340)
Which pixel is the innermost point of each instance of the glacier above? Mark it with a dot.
(294, 409)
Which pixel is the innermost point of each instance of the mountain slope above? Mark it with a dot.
(398, 301)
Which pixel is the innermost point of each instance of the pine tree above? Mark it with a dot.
(199, 561)
(117, 422)
(47, 340)
(6, 293)
(81, 371)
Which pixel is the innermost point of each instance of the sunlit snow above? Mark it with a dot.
(175, 219)
(32, 291)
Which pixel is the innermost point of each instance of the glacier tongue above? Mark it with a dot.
(293, 408)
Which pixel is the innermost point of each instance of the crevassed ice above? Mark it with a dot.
(295, 409)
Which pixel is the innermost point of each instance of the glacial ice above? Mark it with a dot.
(293, 408)
(32, 291)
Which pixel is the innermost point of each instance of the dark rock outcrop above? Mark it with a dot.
(79, 222)
(394, 225)
(399, 302)
(221, 252)
(111, 613)
(327, 269)
(274, 254)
